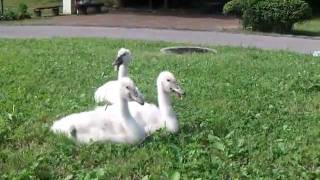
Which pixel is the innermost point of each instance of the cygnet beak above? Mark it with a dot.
(138, 97)
(118, 62)
(178, 91)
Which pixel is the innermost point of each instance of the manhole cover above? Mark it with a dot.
(187, 49)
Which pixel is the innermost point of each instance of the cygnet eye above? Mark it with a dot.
(127, 87)
(168, 80)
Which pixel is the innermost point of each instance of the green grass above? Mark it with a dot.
(13, 4)
(248, 113)
(31, 3)
(310, 27)
(37, 3)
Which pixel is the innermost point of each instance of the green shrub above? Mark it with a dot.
(9, 15)
(234, 7)
(237, 7)
(269, 15)
(22, 11)
(111, 3)
(276, 15)
(19, 14)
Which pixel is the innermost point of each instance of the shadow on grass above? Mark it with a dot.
(306, 33)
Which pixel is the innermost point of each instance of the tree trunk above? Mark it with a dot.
(166, 4)
(121, 3)
(2, 7)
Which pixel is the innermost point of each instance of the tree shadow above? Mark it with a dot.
(306, 33)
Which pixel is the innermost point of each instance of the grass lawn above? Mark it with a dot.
(310, 27)
(37, 3)
(13, 4)
(248, 113)
(31, 3)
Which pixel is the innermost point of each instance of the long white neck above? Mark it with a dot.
(124, 109)
(134, 131)
(167, 114)
(123, 71)
(164, 100)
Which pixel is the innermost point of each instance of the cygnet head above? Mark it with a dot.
(123, 57)
(129, 91)
(170, 84)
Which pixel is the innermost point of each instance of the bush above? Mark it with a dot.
(20, 13)
(234, 7)
(276, 15)
(9, 15)
(111, 3)
(269, 15)
(237, 7)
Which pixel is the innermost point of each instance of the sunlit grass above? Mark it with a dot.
(31, 3)
(310, 27)
(248, 113)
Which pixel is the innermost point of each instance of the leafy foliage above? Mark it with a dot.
(8, 15)
(19, 14)
(269, 15)
(276, 15)
(22, 11)
(234, 7)
(248, 114)
(111, 3)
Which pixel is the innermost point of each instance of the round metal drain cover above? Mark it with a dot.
(187, 49)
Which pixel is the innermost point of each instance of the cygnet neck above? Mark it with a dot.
(123, 71)
(124, 109)
(164, 100)
(134, 131)
(167, 114)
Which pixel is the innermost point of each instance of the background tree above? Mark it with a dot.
(315, 5)
(1, 6)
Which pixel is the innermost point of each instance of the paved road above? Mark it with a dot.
(301, 45)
